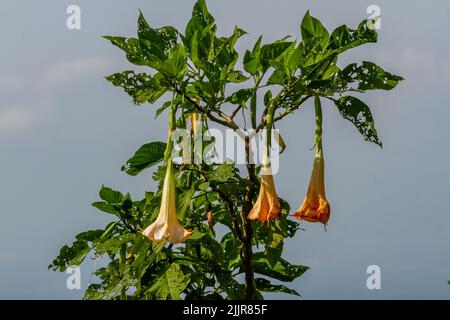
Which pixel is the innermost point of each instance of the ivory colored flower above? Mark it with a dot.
(315, 207)
(267, 206)
(166, 225)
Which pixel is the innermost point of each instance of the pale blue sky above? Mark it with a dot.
(65, 131)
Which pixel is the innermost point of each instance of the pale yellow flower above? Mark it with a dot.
(166, 225)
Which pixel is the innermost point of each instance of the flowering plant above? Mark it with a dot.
(207, 224)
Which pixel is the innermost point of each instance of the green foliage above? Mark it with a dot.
(146, 156)
(359, 114)
(195, 70)
(170, 284)
(141, 87)
(265, 285)
(282, 270)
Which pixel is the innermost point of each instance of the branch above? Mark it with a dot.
(236, 111)
(230, 209)
(227, 122)
(229, 204)
(289, 111)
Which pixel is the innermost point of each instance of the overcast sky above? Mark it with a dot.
(65, 131)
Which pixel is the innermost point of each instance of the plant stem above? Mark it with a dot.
(253, 109)
(230, 210)
(318, 133)
(247, 252)
(122, 263)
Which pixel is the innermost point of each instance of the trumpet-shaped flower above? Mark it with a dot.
(267, 206)
(166, 225)
(315, 207)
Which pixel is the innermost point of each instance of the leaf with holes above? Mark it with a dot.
(359, 114)
(141, 87)
(264, 285)
(369, 76)
(170, 284)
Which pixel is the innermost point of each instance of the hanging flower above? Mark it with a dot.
(166, 225)
(315, 207)
(267, 206)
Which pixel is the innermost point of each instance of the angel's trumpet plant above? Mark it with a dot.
(267, 206)
(166, 226)
(315, 207)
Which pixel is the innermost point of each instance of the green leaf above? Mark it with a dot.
(282, 270)
(222, 174)
(140, 51)
(201, 18)
(317, 51)
(131, 46)
(266, 286)
(162, 108)
(146, 156)
(90, 235)
(152, 46)
(369, 76)
(185, 199)
(312, 28)
(274, 243)
(277, 77)
(343, 38)
(105, 207)
(239, 97)
(70, 256)
(267, 97)
(170, 285)
(237, 33)
(164, 38)
(226, 55)
(204, 185)
(111, 196)
(236, 77)
(330, 72)
(231, 248)
(114, 244)
(252, 60)
(314, 35)
(156, 48)
(75, 254)
(359, 114)
(270, 52)
(141, 87)
(175, 65)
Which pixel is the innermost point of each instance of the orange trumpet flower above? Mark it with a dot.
(267, 206)
(315, 207)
